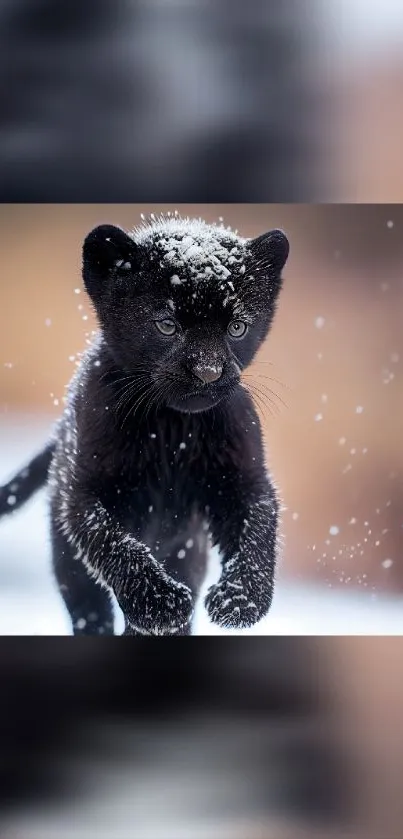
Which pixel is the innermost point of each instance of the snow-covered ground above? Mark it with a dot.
(30, 603)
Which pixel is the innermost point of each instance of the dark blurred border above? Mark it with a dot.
(59, 695)
(181, 100)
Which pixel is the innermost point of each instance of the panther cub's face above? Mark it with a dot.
(184, 305)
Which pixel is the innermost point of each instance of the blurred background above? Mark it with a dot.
(195, 100)
(273, 739)
(327, 385)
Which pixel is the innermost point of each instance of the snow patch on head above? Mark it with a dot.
(192, 249)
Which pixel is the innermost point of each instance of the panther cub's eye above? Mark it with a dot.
(237, 329)
(166, 327)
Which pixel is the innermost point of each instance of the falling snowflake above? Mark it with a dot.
(387, 563)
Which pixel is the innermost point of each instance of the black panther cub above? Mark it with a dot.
(159, 448)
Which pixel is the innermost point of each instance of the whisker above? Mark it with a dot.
(158, 397)
(150, 401)
(260, 406)
(128, 392)
(270, 396)
(141, 393)
(266, 390)
(263, 400)
(134, 391)
(251, 372)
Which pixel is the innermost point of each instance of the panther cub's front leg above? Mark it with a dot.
(244, 526)
(152, 602)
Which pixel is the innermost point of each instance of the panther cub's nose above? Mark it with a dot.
(208, 373)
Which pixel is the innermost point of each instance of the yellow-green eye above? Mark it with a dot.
(237, 329)
(166, 327)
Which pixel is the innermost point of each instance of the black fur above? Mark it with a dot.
(160, 446)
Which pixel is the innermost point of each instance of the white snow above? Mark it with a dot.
(387, 563)
(192, 246)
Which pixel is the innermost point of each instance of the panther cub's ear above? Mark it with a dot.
(106, 250)
(270, 251)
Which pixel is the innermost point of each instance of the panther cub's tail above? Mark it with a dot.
(26, 482)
